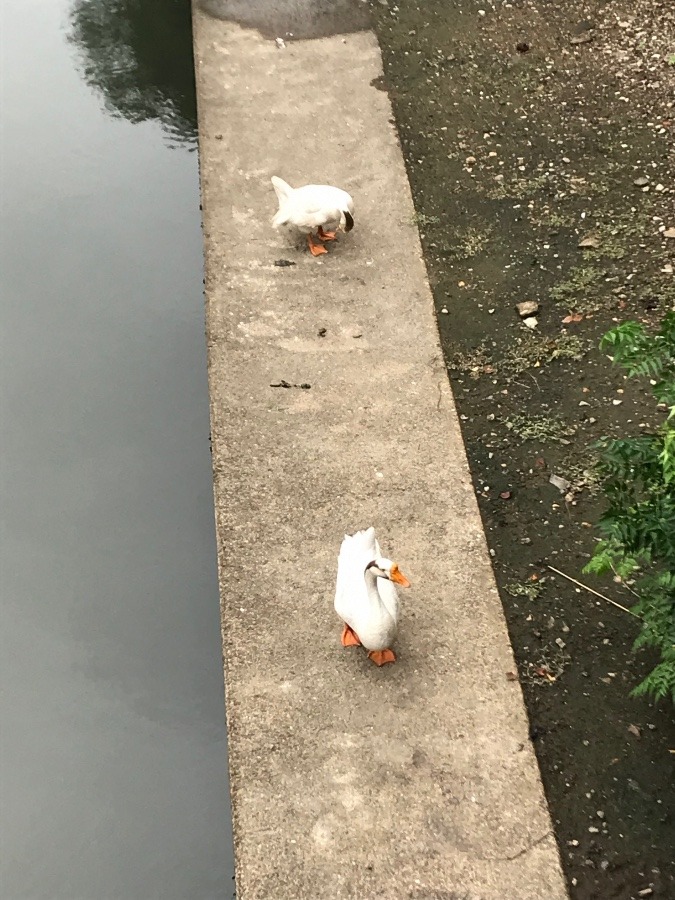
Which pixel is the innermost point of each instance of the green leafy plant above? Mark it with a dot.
(638, 526)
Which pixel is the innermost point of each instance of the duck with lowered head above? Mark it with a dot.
(365, 597)
(317, 210)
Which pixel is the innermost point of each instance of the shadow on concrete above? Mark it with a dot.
(292, 19)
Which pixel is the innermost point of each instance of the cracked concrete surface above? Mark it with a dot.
(416, 780)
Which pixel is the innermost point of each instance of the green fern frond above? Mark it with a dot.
(638, 525)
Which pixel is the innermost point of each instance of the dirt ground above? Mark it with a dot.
(529, 128)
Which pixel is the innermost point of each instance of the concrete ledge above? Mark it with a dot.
(417, 780)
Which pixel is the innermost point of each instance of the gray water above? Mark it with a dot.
(114, 758)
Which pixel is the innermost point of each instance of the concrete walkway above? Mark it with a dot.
(416, 780)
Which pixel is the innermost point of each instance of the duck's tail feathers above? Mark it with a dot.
(362, 539)
(281, 189)
(283, 192)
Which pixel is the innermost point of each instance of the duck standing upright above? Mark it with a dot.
(317, 210)
(365, 597)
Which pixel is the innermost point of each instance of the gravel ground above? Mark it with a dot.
(529, 129)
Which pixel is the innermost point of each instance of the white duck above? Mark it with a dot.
(315, 210)
(365, 597)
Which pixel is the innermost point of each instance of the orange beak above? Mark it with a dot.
(398, 576)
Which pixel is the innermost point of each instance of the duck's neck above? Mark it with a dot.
(371, 587)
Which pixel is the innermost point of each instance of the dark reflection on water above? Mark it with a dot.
(113, 754)
(137, 54)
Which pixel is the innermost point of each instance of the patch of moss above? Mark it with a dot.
(539, 428)
(423, 221)
(548, 218)
(579, 279)
(472, 240)
(580, 291)
(474, 362)
(531, 589)
(520, 188)
(532, 351)
(659, 297)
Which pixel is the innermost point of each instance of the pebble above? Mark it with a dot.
(531, 322)
(617, 402)
(641, 181)
(527, 308)
(594, 830)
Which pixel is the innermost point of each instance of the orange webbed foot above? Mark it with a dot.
(326, 235)
(315, 249)
(382, 657)
(350, 638)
